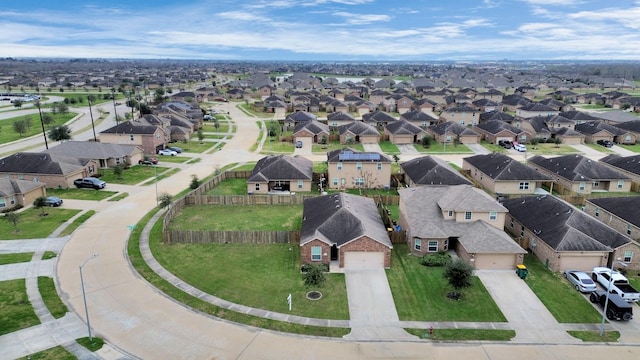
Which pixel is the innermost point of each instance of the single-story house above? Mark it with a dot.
(313, 132)
(105, 154)
(344, 230)
(496, 130)
(562, 236)
(280, 173)
(52, 170)
(594, 131)
(419, 118)
(627, 165)
(339, 118)
(461, 217)
(358, 132)
(19, 193)
(499, 173)
(379, 119)
(431, 171)
(449, 131)
(621, 213)
(403, 132)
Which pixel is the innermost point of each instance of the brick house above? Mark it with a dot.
(150, 138)
(19, 193)
(621, 213)
(499, 173)
(350, 169)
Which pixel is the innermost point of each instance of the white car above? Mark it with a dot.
(580, 280)
(519, 147)
(167, 152)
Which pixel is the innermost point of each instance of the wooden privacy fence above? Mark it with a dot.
(231, 237)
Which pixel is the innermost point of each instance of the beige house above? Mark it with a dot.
(501, 174)
(461, 217)
(148, 137)
(52, 170)
(463, 114)
(563, 237)
(19, 193)
(576, 174)
(281, 173)
(627, 165)
(621, 213)
(358, 132)
(349, 169)
(104, 154)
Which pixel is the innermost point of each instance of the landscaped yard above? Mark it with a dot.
(81, 194)
(133, 175)
(558, 295)
(600, 148)
(9, 134)
(438, 148)
(334, 145)
(551, 149)
(230, 187)
(634, 148)
(31, 225)
(389, 148)
(15, 258)
(16, 311)
(50, 297)
(239, 218)
(420, 293)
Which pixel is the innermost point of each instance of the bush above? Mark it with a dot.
(441, 258)
(314, 275)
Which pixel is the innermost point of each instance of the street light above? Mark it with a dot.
(606, 299)
(84, 297)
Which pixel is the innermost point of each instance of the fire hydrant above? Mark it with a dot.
(431, 331)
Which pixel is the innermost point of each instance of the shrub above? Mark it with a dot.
(314, 275)
(441, 258)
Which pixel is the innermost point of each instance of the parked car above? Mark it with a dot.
(53, 201)
(175, 148)
(605, 143)
(148, 161)
(90, 182)
(299, 144)
(519, 147)
(168, 152)
(619, 283)
(617, 308)
(580, 280)
(505, 144)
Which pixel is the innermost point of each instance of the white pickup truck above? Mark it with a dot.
(620, 284)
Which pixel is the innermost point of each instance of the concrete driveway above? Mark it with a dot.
(478, 149)
(371, 308)
(407, 149)
(524, 311)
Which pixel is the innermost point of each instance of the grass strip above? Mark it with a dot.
(76, 223)
(594, 336)
(16, 312)
(15, 258)
(50, 297)
(464, 334)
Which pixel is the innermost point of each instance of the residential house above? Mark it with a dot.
(494, 131)
(52, 170)
(150, 138)
(627, 165)
(576, 174)
(486, 105)
(633, 127)
(344, 231)
(463, 114)
(104, 154)
(426, 105)
(578, 117)
(377, 96)
(430, 171)
(449, 131)
(313, 132)
(358, 132)
(365, 107)
(461, 217)
(620, 213)
(536, 109)
(403, 132)
(298, 117)
(19, 193)
(563, 237)
(339, 118)
(514, 102)
(379, 119)
(281, 173)
(491, 94)
(501, 174)
(419, 118)
(496, 115)
(595, 131)
(349, 169)
(557, 105)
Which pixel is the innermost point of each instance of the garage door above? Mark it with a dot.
(584, 263)
(363, 259)
(495, 261)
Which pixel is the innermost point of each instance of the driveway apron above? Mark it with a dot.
(371, 309)
(524, 311)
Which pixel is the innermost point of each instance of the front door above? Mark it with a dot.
(334, 252)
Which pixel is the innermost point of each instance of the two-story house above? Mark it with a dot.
(350, 169)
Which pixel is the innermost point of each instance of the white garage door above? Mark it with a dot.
(495, 262)
(583, 263)
(363, 259)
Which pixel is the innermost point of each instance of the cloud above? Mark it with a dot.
(362, 19)
(554, 2)
(242, 16)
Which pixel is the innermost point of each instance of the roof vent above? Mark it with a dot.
(337, 206)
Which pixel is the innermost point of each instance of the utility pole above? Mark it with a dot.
(44, 134)
(115, 112)
(91, 113)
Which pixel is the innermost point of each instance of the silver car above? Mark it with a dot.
(580, 280)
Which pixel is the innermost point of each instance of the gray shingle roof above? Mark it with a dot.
(577, 168)
(628, 163)
(91, 150)
(40, 163)
(429, 170)
(626, 208)
(351, 155)
(403, 127)
(562, 226)
(495, 126)
(341, 218)
(358, 128)
(282, 167)
(129, 127)
(10, 187)
(501, 167)
(314, 127)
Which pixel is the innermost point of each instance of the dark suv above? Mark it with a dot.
(617, 307)
(605, 143)
(505, 144)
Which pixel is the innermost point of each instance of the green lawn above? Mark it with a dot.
(172, 159)
(54, 353)
(50, 297)
(420, 293)
(259, 276)
(230, 187)
(634, 148)
(7, 133)
(239, 218)
(334, 145)
(556, 293)
(389, 148)
(16, 311)
(437, 148)
(15, 258)
(133, 175)
(594, 336)
(77, 222)
(551, 149)
(32, 225)
(81, 194)
(600, 148)
(320, 167)
(464, 334)
(194, 146)
(494, 148)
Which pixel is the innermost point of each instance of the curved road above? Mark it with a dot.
(135, 317)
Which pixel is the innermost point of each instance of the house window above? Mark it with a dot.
(620, 183)
(523, 138)
(424, 124)
(359, 181)
(12, 200)
(596, 183)
(359, 166)
(3, 202)
(379, 166)
(257, 187)
(511, 223)
(335, 181)
(35, 179)
(461, 122)
(524, 185)
(91, 169)
(131, 137)
(433, 246)
(417, 244)
(582, 186)
(467, 215)
(335, 123)
(627, 138)
(628, 256)
(299, 184)
(446, 244)
(450, 213)
(316, 253)
(628, 229)
(597, 212)
(448, 138)
(339, 166)
(493, 215)
(343, 181)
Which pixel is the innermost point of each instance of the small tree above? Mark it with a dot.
(165, 200)
(60, 133)
(39, 203)
(313, 275)
(458, 273)
(395, 158)
(195, 182)
(117, 171)
(14, 218)
(557, 141)
(17, 103)
(200, 135)
(20, 127)
(47, 119)
(426, 141)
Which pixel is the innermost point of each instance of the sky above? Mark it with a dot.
(323, 30)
